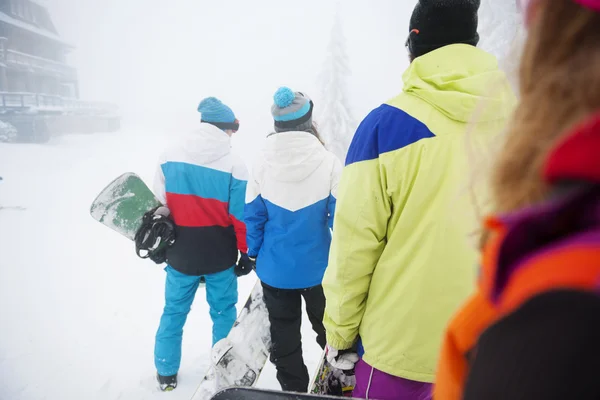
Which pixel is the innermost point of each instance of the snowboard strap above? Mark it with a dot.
(154, 237)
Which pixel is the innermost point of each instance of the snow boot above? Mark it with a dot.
(167, 383)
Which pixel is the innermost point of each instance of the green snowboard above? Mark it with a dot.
(122, 204)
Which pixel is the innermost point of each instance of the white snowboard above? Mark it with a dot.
(239, 359)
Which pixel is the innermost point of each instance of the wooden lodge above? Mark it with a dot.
(39, 91)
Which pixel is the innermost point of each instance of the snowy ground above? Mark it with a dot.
(78, 309)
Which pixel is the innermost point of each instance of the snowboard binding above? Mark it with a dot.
(156, 235)
(332, 381)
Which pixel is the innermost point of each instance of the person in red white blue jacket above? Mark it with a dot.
(204, 187)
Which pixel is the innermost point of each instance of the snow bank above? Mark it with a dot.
(8, 133)
(79, 309)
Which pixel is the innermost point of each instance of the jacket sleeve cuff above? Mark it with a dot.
(338, 343)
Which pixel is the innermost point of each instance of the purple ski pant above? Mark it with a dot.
(377, 385)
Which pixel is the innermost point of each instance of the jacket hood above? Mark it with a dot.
(207, 144)
(461, 81)
(571, 219)
(575, 157)
(292, 156)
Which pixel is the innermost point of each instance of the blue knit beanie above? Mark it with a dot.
(213, 110)
(292, 111)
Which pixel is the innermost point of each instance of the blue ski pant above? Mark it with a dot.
(180, 289)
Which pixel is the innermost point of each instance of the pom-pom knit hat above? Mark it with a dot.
(292, 111)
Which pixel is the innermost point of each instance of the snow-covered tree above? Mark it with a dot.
(8, 132)
(502, 33)
(336, 123)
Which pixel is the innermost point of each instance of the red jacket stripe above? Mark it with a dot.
(193, 211)
(240, 232)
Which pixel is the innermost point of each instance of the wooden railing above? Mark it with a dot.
(39, 64)
(29, 100)
(23, 101)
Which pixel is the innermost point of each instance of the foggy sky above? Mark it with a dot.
(156, 59)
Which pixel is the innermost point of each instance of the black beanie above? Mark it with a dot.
(438, 23)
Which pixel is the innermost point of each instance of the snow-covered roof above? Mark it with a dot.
(31, 28)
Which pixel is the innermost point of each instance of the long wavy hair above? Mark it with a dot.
(315, 131)
(559, 86)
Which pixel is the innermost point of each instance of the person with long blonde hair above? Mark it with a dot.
(531, 330)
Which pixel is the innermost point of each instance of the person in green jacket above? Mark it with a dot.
(401, 262)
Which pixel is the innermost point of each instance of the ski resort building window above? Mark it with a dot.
(20, 9)
(27, 12)
(35, 15)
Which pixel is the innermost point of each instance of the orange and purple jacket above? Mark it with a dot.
(553, 246)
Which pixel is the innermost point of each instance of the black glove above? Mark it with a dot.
(245, 265)
(159, 257)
